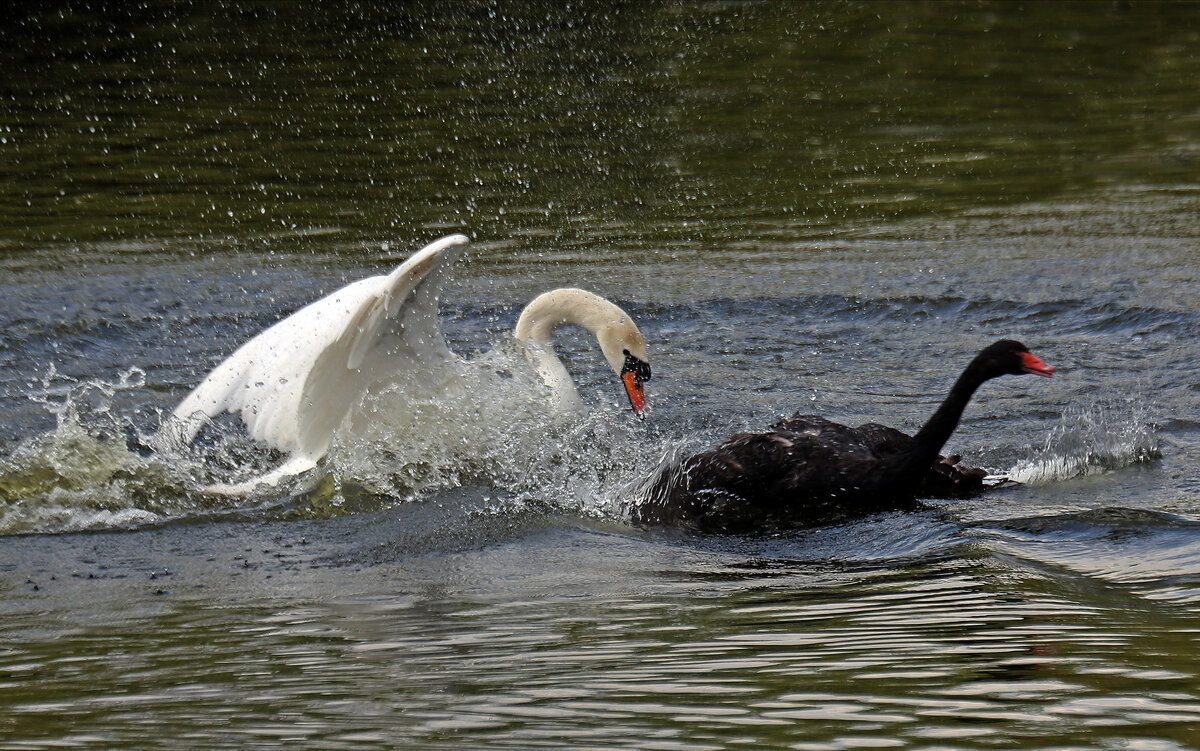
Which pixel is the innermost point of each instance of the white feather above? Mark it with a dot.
(294, 383)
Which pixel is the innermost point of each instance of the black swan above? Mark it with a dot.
(807, 470)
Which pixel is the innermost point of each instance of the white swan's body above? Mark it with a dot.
(295, 383)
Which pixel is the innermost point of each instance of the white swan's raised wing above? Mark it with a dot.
(294, 383)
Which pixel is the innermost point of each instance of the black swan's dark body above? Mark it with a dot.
(807, 470)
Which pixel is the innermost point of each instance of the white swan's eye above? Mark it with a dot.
(640, 368)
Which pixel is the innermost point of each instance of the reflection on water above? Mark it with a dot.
(575, 638)
(817, 206)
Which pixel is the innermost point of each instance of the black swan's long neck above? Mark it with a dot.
(928, 442)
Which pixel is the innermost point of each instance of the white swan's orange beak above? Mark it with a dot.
(1031, 364)
(636, 391)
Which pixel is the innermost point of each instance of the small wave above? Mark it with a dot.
(1096, 523)
(1069, 315)
(1090, 440)
(1155, 553)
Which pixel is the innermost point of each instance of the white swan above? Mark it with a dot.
(295, 383)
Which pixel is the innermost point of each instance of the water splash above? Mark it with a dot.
(486, 424)
(81, 474)
(1091, 440)
(479, 424)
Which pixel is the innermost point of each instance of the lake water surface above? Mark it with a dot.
(825, 207)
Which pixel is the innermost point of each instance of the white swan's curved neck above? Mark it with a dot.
(564, 397)
(608, 323)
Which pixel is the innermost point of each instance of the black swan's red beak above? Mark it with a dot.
(1031, 364)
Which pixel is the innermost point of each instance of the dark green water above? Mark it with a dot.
(816, 206)
(640, 124)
